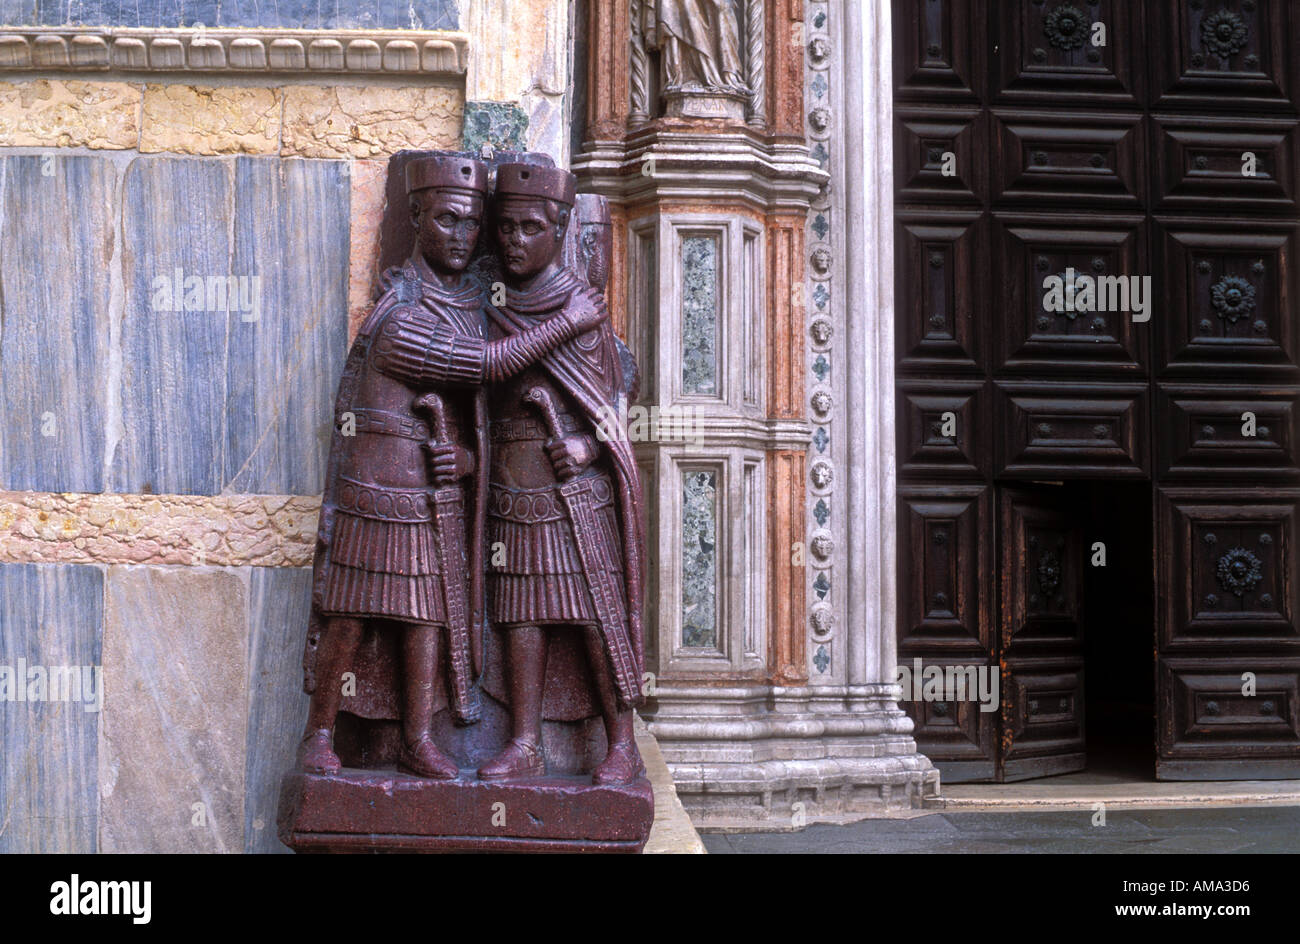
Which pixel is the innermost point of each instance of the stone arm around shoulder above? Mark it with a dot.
(422, 351)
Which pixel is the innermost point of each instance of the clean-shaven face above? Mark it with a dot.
(447, 224)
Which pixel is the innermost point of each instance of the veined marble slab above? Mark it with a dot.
(171, 755)
(292, 221)
(288, 14)
(50, 618)
(56, 252)
(279, 601)
(234, 328)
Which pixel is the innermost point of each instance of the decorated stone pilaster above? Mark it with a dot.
(773, 520)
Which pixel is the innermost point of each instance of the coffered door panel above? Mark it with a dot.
(1229, 306)
(1091, 160)
(939, 50)
(1040, 644)
(1229, 640)
(1077, 52)
(1234, 164)
(1223, 55)
(944, 530)
(941, 270)
(1232, 580)
(1083, 328)
(1228, 432)
(945, 625)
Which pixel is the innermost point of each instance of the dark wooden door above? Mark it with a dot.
(1040, 646)
(1025, 149)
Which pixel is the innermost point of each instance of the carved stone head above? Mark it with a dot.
(446, 201)
(533, 207)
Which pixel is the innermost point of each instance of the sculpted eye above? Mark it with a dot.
(447, 219)
(532, 229)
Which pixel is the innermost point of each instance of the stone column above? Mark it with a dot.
(757, 271)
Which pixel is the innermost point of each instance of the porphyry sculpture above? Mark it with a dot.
(479, 560)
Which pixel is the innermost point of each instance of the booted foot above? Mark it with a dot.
(519, 759)
(424, 758)
(316, 756)
(622, 764)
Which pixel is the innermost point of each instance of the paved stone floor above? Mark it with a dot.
(1244, 829)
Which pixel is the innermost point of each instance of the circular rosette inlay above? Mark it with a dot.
(1066, 28)
(1238, 571)
(1233, 298)
(1223, 34)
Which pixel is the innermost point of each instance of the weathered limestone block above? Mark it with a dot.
(368, 122)
(528, 65)
(172, 741)
(369, 178)
(69, 113)
(195, 119)
(227, 530)
(50, 617)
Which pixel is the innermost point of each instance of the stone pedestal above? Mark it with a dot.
(386, 811)
(702, 103)
(765, 757)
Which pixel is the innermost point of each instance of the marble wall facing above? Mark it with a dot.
(187, 251)
(285, 14)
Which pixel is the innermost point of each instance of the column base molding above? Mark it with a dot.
(742, 756)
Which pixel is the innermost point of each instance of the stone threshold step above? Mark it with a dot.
(1130, 795)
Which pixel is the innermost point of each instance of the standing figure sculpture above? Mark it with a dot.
(700, 43)
(400, 550)
(564, 499)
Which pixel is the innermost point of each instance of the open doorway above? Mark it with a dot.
(1119, 630)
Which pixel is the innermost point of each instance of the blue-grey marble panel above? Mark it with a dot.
(176, 259)
(51, 620)
(286, 348)
(56, 250)
(279, 601)
(289, 14)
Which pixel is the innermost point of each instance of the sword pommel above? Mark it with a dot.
(546, 405)
(432, 404)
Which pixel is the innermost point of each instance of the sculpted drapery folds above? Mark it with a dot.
(564, 500)
(480, 529)
(398, 571)
(699, 41)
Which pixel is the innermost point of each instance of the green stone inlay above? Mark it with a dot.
(699, 314)
(699, 559)
(502, 125)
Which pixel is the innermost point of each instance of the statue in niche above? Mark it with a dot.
(699, 44)
(477, 588)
